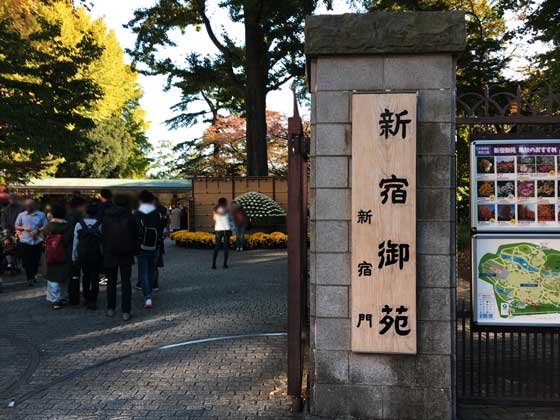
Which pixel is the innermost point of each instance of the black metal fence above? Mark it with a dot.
(500, 366)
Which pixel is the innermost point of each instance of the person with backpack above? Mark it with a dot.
(75, 214)
(29, 224)
(87, 254)
(150, 229)
(119, 233)
(58, 252)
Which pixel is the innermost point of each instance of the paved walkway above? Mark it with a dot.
(75, 363)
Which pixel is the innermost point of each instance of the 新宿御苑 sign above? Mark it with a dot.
(515, 185)
(516, 279)
(384, 222)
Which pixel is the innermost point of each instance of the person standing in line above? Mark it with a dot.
(104, 204)
(222, 230)
(29, 223)
(87, 254)
(240, 222)
(8, 223)
(119, 234)
(150, 228)
(58, 254)
(75, 214)
(175, 218)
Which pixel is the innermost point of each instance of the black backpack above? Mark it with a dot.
(150, 228)
(118, 236)
(89, 244)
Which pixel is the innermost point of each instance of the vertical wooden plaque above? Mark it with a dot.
(384, 245)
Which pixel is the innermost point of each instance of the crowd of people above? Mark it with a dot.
(91, 240)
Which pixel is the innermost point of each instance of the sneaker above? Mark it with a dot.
(57, 305)
(126, 316)
(138, 286)
(156, 289)
(148, 303)
(103, 281)
(226, 266)
(213, 267)
(110, 312)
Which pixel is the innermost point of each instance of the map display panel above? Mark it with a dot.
(515, 185)
(516, 280)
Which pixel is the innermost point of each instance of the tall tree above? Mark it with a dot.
(221, 149)
(45, 97)
(119, 92)
(238, 76)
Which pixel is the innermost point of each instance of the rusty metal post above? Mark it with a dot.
(296, 255)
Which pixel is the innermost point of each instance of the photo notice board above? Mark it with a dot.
(515, 185)
(384, 222)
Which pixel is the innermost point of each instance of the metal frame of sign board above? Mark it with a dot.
(474, 190)
(474, 269)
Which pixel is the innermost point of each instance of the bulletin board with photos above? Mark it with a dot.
(515, 185)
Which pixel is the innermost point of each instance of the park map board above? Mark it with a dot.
(517, 279)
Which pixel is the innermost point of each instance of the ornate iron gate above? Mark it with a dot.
(502, 365)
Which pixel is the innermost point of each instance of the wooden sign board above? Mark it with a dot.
(384, 223)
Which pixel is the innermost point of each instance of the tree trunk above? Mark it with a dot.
(255, 94)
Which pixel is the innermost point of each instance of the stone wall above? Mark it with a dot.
(378, 386)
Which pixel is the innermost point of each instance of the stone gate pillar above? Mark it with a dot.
(413, 51)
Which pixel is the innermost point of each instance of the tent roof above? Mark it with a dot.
(72, 184)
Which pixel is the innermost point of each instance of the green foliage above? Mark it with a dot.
(45, 98)
(237, 77)
(85, 119)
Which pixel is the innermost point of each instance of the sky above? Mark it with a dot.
(158, 102)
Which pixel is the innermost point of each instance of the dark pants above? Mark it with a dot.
(90, 283)
(31, 258)
(222, 242)
(126, 287)
(240, 235)
(147, 271)
(74, 285)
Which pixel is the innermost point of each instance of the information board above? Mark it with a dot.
(515, 185)
(516, 279)
(384, 223)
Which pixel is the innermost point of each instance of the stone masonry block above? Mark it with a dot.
(333, 269)
(434, 172)
(438, 404)
(331, 172)
(436, 106)
(332, 301)
(331, 367)
(432, 371)
(434, 205)
(434, 337)
(403, 403)
(381, 369)
(333, 139)
(434, 304)
(332, 333)
(313, 299)
(385, 33)
(332, 236)
(332, 204)
(333, 107)
(433, 238)
(435, 138)
(349, 73)
(336, 401)
(432, 270)
(428, 71)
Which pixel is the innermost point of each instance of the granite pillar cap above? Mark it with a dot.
(385, 33)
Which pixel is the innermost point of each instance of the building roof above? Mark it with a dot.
(73, 184)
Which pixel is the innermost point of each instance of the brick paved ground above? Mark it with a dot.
(75, 363)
